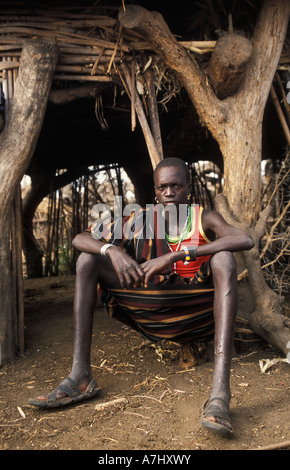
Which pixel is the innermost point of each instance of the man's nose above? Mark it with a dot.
(169, 191)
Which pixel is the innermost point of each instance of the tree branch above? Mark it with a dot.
(153, 28)
(267, 42)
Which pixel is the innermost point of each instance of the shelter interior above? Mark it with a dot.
(89, 124)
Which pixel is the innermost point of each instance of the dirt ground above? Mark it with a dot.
(159, 402)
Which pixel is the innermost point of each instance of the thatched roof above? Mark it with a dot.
(91, 40)
(93, 45)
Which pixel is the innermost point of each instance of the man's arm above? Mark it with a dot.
(86, 243)
(129, 272)
(227, 237)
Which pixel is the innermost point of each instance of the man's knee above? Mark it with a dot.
(86, 263)
(223, 265)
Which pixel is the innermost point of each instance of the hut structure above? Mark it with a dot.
(113, 96)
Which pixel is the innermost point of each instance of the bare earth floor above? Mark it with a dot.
(158, 403)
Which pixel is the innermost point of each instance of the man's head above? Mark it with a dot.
(172, 182)
(170, 162)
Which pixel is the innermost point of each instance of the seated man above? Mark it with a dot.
(187, 278)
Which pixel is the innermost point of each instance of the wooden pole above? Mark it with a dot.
(279, 445)
(133, 97)
(19, 268)
(151, 145)
(153, 111)
(280, 114)
(8, 84)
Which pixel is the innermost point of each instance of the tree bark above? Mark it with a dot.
(17, 144)
(153, 28)
(245, 109)
(236, 124)
(40, 185)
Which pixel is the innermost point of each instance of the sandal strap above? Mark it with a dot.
(73, 385)
(69, 391)
(91, 386)
(214, 411)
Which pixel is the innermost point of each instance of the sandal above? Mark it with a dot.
(74, 395)
(211, 410)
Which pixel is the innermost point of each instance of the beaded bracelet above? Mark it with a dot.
(187, 255)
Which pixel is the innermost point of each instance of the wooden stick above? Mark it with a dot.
(10, 81)
(19, 273)
(12, 40)
(84, 78)
(83, 59)
(107, 404)
(89, 50)
(284, 97)
(153, 111)
(8, 64)
(280, 114)
(133, 97)
(10, 47)
(69, 24)
(73, 68)
(123, 81)
(279, 445)
(62, 35)
(151, 146)
(115, 50)
(93, 71)
(16, 54)
(16, 233)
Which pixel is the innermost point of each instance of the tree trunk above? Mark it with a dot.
(40, 185)
(241, 149)
(236, 124)
(17, 143)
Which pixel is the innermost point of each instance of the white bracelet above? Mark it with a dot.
(104, 248)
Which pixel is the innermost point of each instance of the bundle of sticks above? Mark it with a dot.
(90, 42)
(90, 39)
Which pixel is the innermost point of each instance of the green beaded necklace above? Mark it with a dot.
(185, 231)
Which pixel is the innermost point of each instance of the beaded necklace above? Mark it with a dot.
(177, 240)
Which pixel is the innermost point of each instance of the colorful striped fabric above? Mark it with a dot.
(172, 307)
(179, 309)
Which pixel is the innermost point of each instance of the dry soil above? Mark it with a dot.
(158, 403)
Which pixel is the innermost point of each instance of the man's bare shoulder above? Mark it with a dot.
(213, 222)
(211, 219)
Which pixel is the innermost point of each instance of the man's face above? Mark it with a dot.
(171, 187)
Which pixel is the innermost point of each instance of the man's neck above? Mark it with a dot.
(175, 222)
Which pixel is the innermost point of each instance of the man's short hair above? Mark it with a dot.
(173, 161)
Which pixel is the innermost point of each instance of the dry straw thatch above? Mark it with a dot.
(91, 43)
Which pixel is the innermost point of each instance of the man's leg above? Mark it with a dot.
(224, 273)
(89, 270)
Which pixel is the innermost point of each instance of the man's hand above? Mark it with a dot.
(156, 266)
(129, 272)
